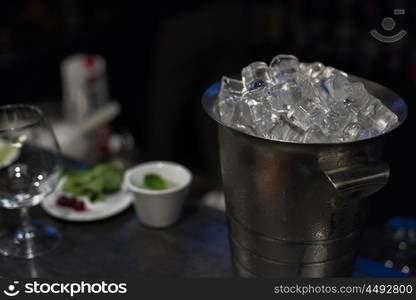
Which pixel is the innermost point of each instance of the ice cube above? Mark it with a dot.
(231, 91)
(225, 109)
(358, 97)
(255, 75)
(330, 71)
(284, 67)
(315, 135)
(304, 109)
(263, 116)
(316, 70)
(367, 133)
(305, 114)
(272, 128)
(313, 70)
(292, 133)
(336, 119)
(244, 128)
(370, 111)
(356, 131)
(338, 86)
(351, 131)
(280, 96)
(377, 116)
(242, 114)
(251, 112)
(231, 88)
(304, 68)
(257, 110)
(276, 132)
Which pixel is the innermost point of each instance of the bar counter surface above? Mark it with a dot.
(120, 246)
(196, 246)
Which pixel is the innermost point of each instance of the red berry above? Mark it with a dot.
(79, 206)
(71, 202)
(63, 201)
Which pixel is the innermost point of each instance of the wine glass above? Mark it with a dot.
(30, 168)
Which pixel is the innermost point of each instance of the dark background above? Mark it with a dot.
(161, 57)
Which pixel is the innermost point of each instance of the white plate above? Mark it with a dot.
(105, 208)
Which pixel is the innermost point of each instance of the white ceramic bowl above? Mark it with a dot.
(159, 208)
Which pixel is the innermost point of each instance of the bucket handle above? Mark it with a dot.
(359, 181)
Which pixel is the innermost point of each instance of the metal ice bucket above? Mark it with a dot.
(297, 210)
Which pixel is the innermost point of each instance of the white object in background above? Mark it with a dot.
(73, 136)
(84, 85)
(214, 199)
(159, 208)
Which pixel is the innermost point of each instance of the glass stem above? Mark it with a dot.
(26, 226)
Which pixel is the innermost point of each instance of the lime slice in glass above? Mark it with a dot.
(8, 153)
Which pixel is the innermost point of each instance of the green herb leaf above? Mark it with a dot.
(154, 182)
(94, 183)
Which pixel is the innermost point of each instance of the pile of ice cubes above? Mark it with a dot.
(301, 102)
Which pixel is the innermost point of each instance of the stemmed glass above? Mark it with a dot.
(30, 168)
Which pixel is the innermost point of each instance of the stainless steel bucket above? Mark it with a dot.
(297, 210)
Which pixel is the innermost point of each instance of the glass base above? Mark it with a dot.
(29, 243)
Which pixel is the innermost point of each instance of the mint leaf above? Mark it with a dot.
(154, 182)
(94, 183)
